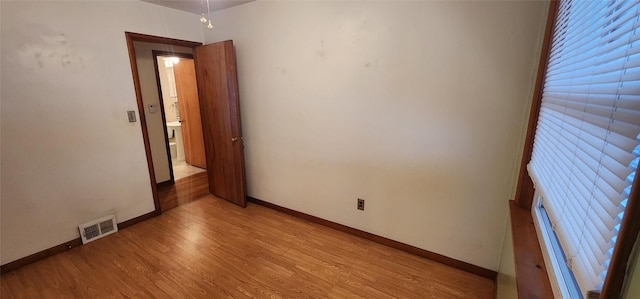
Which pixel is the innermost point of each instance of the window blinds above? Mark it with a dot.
(586, 145)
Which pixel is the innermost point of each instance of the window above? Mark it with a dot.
(587, 140)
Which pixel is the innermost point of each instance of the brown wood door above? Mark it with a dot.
(187, 91)
(220, 110)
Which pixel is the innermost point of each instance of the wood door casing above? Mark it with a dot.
(216, 74)
(187, 92)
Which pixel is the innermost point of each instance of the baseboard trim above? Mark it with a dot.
(490, 274)
(138, 219)
(8, 267)
(40, 255)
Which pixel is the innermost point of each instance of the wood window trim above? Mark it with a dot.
(532, 279)
(629, 230)
(531, 273)
(524, 189)
(527, 251)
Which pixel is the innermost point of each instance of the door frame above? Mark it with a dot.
(155, 54)
(130, 38)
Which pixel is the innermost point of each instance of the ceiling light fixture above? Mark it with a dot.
(170, 61)
(203, 19)
(210, 26)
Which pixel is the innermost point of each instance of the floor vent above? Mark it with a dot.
(97, 229)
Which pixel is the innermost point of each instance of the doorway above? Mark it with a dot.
(218, 100)
(178, 95)
(162, 122)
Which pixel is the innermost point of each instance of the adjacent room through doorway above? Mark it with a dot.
(178, 91)
(187, 96)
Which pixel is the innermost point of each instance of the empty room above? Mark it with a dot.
(319, 149)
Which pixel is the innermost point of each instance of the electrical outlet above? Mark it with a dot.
(360, 204)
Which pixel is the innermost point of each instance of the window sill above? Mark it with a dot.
(531, 274)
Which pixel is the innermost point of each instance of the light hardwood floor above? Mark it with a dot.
(183, 191)
(209, 248)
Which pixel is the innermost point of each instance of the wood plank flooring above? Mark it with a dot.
(210, 248)
(183, 191)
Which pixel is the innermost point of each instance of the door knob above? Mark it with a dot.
(236, 139)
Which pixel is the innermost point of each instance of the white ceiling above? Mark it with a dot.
(198, 6)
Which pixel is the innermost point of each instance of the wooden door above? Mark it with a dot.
(187, 92)
(220, 110)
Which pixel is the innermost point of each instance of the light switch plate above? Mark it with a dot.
(132, 116)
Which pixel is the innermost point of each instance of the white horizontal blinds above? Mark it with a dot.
(587, 139)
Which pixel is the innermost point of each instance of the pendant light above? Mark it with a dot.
(210, 26)
(203, 19)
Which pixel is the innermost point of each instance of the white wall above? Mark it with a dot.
(169, 108)
(417, 107)
(149, 90)
(69, 154)
(506, 282)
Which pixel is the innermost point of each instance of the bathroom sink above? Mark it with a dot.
(176, 127)
(174, 124)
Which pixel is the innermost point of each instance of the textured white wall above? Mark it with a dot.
(417, 107)
(69, 154)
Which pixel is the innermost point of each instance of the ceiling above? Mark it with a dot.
(198, 6)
